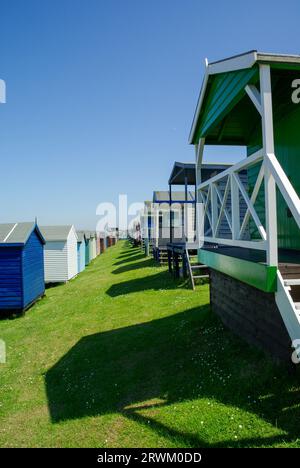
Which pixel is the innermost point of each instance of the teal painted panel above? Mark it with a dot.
(287, 150)
(225, 92)
(87, 253)
(81, 256)
(258, 275)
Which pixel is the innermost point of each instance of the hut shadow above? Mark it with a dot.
(149, 262)
(55, 285)
(169, 361)
(158, 281)
(128, 253)
(131, 258)
(192, 440)
(12, 314)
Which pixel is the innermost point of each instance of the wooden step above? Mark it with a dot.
(195, 267)
(200, 276)
(292, 282)
(289, 270)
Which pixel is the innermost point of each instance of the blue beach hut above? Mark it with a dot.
(81, 243)
(87, 237)
(21, 265)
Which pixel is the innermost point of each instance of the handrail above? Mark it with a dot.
(245, 163)
(215, 206)
(215, 201)
(287, 190)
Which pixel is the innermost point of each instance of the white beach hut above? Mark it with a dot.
(92, 245)
(60, 253)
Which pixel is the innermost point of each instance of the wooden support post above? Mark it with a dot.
(176, 265)
(147, 247)
(235, 208)
(169, 261)
(173, 263)
(170, 206)
(195, 215)
(185, 212)
(268, 146)
(199, 158)
(214, 209)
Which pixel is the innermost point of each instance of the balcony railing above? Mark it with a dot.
(226, 199)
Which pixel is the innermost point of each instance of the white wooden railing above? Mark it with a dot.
(224, 195)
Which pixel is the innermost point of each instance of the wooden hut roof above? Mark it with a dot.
(56, 233)
(18, 233)
(224, 113)
(81, 236)
(182, 169)
(163, 196)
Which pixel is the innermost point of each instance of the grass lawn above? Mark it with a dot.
(124, 357)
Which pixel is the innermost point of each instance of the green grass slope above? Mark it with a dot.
(123, 356)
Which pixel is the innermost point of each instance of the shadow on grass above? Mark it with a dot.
(131, 258)
(54, 285)
(128, 253)
(146, 367)
(135, 266)
(10, 314)
(156, 282)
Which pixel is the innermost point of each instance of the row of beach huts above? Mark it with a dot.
(32, 256)
(242, 228)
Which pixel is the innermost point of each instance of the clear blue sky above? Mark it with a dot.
(101, 94)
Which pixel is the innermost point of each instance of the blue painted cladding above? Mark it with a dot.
(81, 256)
(87, 253)
(33, 270)
(11, 278)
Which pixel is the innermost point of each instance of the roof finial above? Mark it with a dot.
(206, 62)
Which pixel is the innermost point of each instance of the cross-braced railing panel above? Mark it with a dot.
(227, 199)
(228, 207)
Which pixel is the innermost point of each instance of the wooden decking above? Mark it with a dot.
(289, 270)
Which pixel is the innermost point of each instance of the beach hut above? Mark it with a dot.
(21, 265)
(168, 220)
(253, 100)
(146, 221)
(92, 245)
(98, 243)
(81, 245)
(102, 238)
(112, 236)
(87, 247)
(183, 242)
(60, 253)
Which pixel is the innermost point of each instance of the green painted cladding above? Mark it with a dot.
(287, 151)
(260, 276)
(225, 92)
(229, 117)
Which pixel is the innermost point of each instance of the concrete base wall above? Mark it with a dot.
(250, 313)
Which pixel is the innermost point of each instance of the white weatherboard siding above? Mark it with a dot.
(72, 254)
(92, 247)
(60, 253)
(161, 236)
(56, 261)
